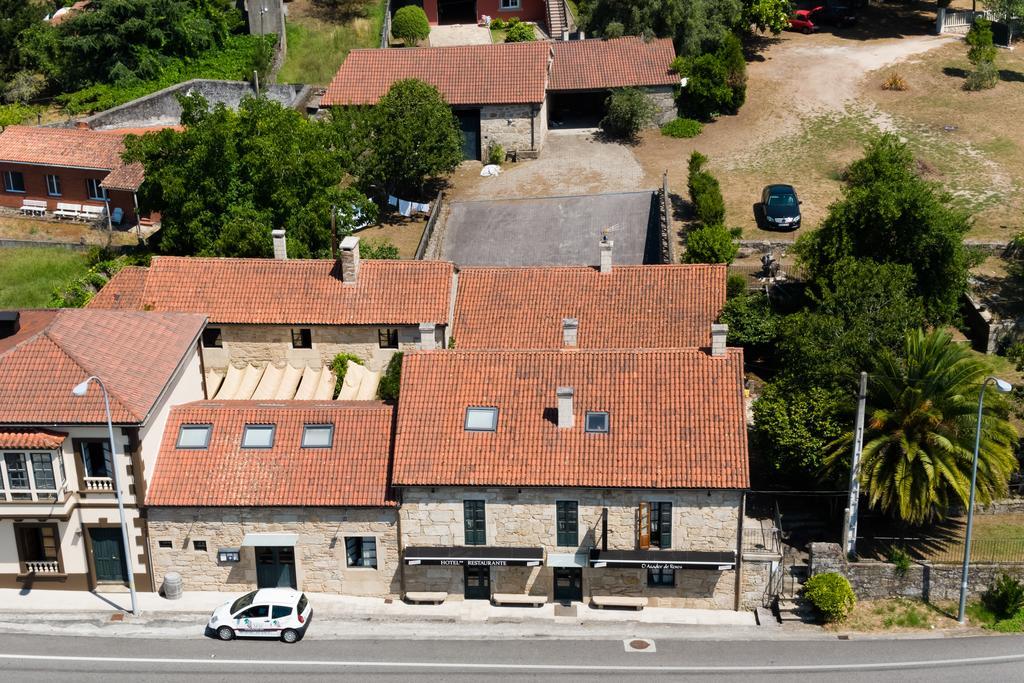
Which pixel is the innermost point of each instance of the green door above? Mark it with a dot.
(108, 555)
(469, 126)
(275, 567)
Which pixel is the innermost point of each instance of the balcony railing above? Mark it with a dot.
(30, 496)
(766, 541)
(42, 567)
(98, 483)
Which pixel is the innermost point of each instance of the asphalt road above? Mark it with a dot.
(35, 658)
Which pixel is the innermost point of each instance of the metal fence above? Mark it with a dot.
(943, 550)
(764, 540)
(385, 29)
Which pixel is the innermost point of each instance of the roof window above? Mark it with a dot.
(597, 422)
(258, 436)
(481, 419)
(317, 436)
(194, 436)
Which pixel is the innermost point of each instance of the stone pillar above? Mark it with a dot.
(349, 259)
(565, 416)
(427, 339)
(718, 336)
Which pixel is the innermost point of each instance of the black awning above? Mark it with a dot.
(477, 555)
(663, 559)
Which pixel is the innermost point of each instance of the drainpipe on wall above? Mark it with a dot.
(739, 553)
(533, 118)
(138, 220)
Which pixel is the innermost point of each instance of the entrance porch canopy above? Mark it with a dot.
(663, 559)
(270, 540)
(479, 555)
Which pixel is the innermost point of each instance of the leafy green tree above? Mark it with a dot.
(890, 215)
(694, 25)
(710, 244)
(767, 15)
(378, 249)
(410, 24)
(627, 112)
(751, 320)
(982, 54)
(231, 177)
(716, 82)
(16, 17)
(919, 435)
(705, 192)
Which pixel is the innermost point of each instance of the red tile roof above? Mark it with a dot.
(123, 292)
(67, 147)
(289, 292)
(128, 177)
(135, 354)
(42, 439)
(599, 64)
(508, 73)
(353, 472)
(631, 307)
(676, 419)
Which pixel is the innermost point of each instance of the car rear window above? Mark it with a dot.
(280, 612)
(302, 603)
(243, 602)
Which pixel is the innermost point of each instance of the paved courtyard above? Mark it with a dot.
(459, 34)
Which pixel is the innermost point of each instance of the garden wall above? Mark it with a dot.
(872, 580)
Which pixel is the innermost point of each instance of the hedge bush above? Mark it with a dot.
(682, 128)
(391, 379)
(520, 32)
(710, 244)
(410, 24)
(735, 285)
(831, 594)
(705, 192)
(627, 112)
(1005, 598)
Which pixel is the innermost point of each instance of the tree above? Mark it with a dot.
(710, 244)
(1006, 10)
(408, 138)
(410, 24)
(919, 436)
(751, 320)
(890, 215)
(231, 177)
(627, 112)
(767, 15)
(16, 16)
(378, 249)
(694, 25)
(982, 54)
(716, 82)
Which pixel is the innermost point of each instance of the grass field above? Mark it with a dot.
(28, 276)
(319, 40)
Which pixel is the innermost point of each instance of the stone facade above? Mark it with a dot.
(510, 127)
(701, 521)
(243, 344)
(320, 558)
(664, 98)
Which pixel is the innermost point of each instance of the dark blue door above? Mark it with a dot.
(275, 567)
(469, 126)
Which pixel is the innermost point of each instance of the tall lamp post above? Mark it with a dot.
(81, 390)
(1004, 387)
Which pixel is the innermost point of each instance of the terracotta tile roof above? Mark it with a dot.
(123, 292)
(598, 64)
(352, 472)
(67, 147)
(134, 353)
(508, 73)
(42, 439)
(128, 177)
(292, 292)
(646, 307)
(676, 419)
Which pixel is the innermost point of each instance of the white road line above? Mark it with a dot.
(323, 663)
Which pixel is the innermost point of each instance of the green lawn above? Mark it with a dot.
(28, 276)
(317, 45)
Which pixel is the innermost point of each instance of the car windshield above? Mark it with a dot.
(781, 200)
(243, 602)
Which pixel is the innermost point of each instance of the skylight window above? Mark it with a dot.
(258, 436)
(597, 422)
(194, 436)
(481, 419)
(317, 436)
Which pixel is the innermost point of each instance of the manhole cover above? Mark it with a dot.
(117, 617)
(639, 645)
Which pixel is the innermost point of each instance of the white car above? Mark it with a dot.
(266, 613)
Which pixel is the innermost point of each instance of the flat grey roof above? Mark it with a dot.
(552, 231)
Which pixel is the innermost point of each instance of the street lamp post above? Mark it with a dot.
(1003, 387)
(80, 390)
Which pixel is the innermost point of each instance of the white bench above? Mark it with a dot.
(33, 207)
(93, 213)
(602, 601)
(435, 597)
(519, 599)
(68, 210)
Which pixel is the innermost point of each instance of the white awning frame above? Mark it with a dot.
(269, 540)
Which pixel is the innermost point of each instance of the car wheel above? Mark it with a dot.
(289, 635)
(807, 30)
(226, 633)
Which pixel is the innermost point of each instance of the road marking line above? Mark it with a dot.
(995, 659)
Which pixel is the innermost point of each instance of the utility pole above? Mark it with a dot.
(850, 530)
(256, 76)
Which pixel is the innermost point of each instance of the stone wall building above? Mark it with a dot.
(250, 495)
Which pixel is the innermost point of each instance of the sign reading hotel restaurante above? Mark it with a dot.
(475, 556)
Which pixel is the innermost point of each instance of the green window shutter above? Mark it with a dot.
(567, 521)
(475, 522)
(665, 525)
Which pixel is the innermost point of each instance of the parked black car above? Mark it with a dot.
(781, 207)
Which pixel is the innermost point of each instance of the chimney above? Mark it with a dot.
(718, 335)
(349, 259)
(565, 418)
(428, 342)
(10, 323)
(606, 255)
(570, 327)
(280, 245)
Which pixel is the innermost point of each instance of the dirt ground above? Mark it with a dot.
(403, 233)
(36, 230)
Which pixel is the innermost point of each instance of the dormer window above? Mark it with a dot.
(317, 436)
(597, 422)
(194, 436)
(481, 419)
(258, 436)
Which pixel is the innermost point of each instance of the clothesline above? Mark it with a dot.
(406, 207)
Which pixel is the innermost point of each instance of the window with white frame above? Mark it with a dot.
(361, 551)
(507, 5)
(96, 192)
(53, 185)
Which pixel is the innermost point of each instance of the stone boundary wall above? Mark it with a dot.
(872, 580)
(668, 242)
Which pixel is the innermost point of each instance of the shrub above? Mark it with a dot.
(982, 54)
(900, 560)
(831, 594)
(614, 29)
(339, 366)
(627, 111)
(894, 81)
(710, 244)
(410, 24)
(1005, 597)
(519, 32)
(392, 379)
(985, 76)
(682, 128)
(716, 81)
(24, 86)
(498, 24)
(708, 203)
(13, 114)
(496, 154)
(383, 249)
(513, 21)
(735, 285)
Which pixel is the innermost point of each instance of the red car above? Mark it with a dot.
(803, 20)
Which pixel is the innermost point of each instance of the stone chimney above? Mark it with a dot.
(349, 259)
(570, 327)
(718, 335)
(280, 245)
(565, 417)
(428, 340)
(606, 255)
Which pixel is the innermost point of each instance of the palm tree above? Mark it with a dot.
(919, 435)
